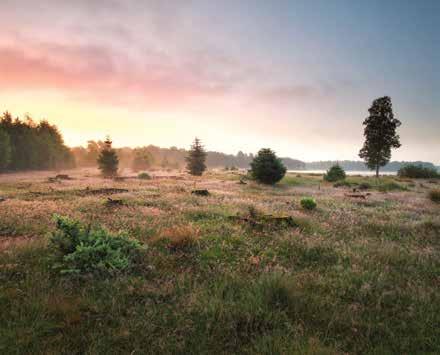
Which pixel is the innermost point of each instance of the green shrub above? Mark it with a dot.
(391, 186)
(266, 168)
(81, 249)
(308, 203)
(144, 176)
(434, 195)
(418, 172)
(335, 173)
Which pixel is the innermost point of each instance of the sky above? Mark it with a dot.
(295, 76)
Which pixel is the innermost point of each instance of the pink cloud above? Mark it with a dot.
(102, 73)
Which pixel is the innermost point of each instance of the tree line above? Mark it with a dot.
(143, 158)
(357, 165)
(29, 145)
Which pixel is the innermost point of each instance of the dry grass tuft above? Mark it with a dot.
(181, 237)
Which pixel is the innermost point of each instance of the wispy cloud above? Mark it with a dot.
(107, 73)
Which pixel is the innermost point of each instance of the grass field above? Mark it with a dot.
(217, 275)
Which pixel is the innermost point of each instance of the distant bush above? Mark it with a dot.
(434, 195)
(308, 203)
(83, 249)
(144, 176)
(267, 168)
(335, 173)
(418, 172)
(142, 160)
(364, 186)
(342, 183)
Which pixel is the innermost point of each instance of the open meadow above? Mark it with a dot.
(245, 269)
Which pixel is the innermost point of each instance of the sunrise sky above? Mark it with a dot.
(296, 76)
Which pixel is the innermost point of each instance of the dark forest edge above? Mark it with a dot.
(28, 145)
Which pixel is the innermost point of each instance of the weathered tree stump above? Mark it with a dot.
(104, 191)
(203, 192)
(114, 202)
(356, 195)
(63, 177)
(262, 220)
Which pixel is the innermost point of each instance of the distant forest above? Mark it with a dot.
(28, 145)
(172, 158)
(353, 165)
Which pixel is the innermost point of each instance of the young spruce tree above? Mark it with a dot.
(380, 134)
(195, 161)
(267, 168)
(108, 159)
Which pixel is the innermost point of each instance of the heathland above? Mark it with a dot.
(243, 269)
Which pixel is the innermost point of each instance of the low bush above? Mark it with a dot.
(335, 173)
(364, 186)
(418, 172)
(81, 249)
(342, 183)
(308, 203)
(144, 176)
(434, 195)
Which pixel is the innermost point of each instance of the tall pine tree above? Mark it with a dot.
(380, 134)
(108, 159)
(195, 161)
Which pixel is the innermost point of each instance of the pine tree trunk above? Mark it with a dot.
(377, 171)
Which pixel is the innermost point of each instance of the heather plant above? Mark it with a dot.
(80, 249)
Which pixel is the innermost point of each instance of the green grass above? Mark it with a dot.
(357, 277)
(300, 180)
(383, 184)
